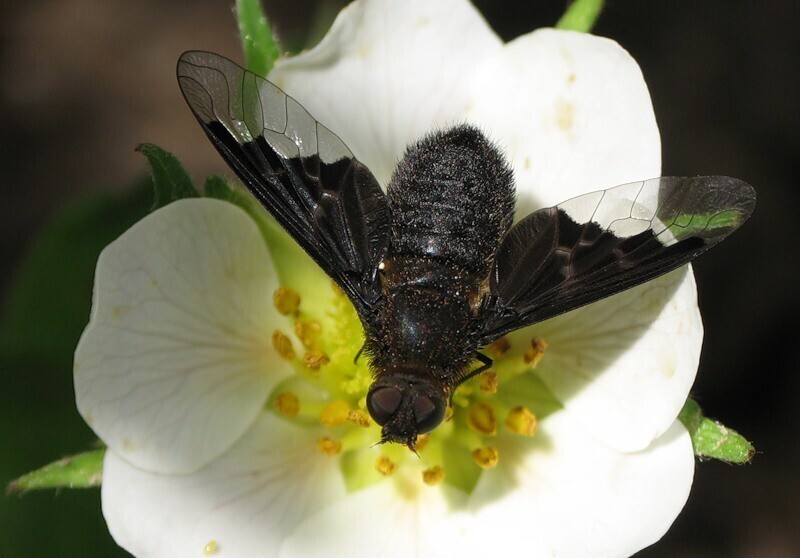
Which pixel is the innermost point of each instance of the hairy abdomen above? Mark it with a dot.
(452, 199)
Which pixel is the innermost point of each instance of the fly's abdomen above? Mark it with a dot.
(452, 199)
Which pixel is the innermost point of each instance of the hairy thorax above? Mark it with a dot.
(426, 313)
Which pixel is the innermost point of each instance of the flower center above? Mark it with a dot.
(327, 395)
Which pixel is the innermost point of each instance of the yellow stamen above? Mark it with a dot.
(358, 417)
(385, 466)
(422, 441)
(499, 347)
(308, 333)
(335, 413)
(315, 359)
(433, 476)
(283, 345)
(521, 420)
(286, 301)
(489, 382)
(287, 404)
(329, 447)
(210, 548)
(481, 419)
(486, 457)
(533, 355)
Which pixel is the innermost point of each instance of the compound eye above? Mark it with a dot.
(428, 413)
(383, 403)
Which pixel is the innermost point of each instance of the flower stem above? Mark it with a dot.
(581, 15)
(259, 44)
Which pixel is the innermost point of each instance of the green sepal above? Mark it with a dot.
(84, 470)
(581, 15)
(711, 439)
(171, 182)
(258, 42)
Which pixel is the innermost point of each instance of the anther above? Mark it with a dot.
(433, 476)
(358, 417)
(499, 347)
(489, 382)
(422, 441)
(308, 333)
(287, 404)
(533, 355)
(329, 447)
(335, 413)
(283, 345)
(286, 300)
(521, 420)
(210, 548)
(481, 419)
(486, 457)
(315, 359)
(385, 466)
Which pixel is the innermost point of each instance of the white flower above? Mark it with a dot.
(180, 371)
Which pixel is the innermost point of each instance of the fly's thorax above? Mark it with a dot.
(426, 317)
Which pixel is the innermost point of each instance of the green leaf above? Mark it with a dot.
(712, 439)
(581, 15)
(259, 44)
(84, 470)
(51, 295)
(170, 180)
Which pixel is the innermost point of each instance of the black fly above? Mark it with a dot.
(434, 267)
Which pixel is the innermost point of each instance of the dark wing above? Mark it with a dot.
(309, 180)
(599, 244)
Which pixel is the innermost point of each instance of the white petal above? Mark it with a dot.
(567, 495)
(246, 502)
(177, 359)
(388, 72)
(572, 111)
(572, 496)
(623, 366)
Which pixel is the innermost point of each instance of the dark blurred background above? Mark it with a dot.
(82, 82)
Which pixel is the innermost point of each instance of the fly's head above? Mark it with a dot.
(405, 407)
